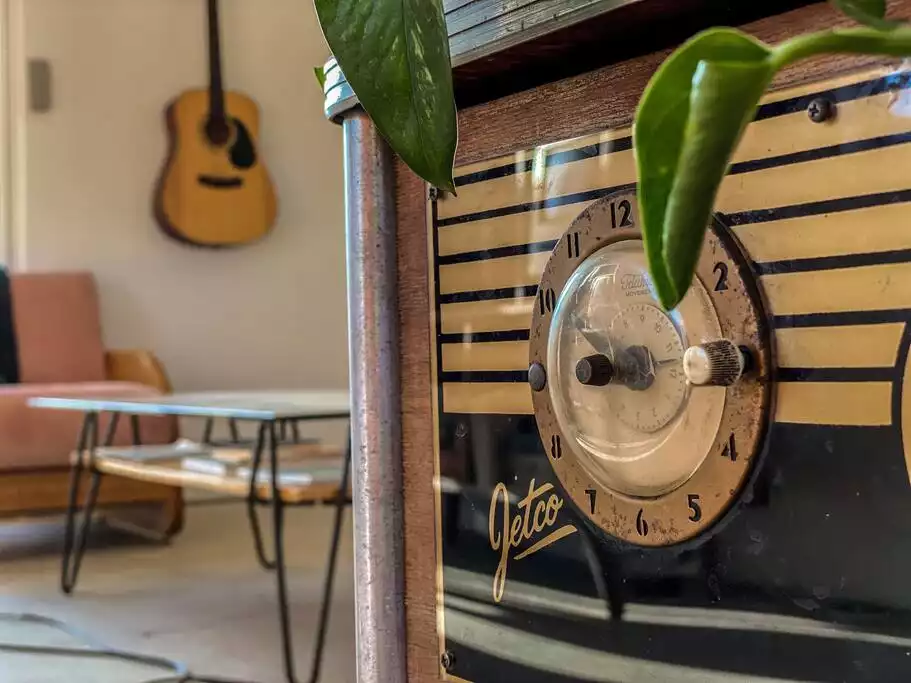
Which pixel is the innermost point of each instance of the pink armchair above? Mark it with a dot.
(57, 350)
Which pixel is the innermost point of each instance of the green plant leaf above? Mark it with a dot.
(722, 102)
(320, 74)
(669, 146)
(395, 56)
(689, 121)
(862, 41)
(869, 12)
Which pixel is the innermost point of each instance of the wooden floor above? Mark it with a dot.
(203, 599)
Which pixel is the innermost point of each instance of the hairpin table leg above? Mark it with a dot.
(74, 542)
(253, 500)
(340, 504)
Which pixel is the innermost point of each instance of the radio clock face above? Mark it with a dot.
(652, 419)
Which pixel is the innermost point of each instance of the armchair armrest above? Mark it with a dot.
(136, 365)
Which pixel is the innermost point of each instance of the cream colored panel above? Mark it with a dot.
(862, 404)
(519, 158)
(486, 316)
(863, 288)
(511, 271)
(857, 119)
(829, 84)
(517, 228)
(795, 132)
(488, 398)
(874, 171)
(879, 170)
(594, 173)
(851, 346)
(486, 356)
(873, 229)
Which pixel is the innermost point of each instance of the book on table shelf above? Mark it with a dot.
(311, 472)
(217, 461)
(181, 448)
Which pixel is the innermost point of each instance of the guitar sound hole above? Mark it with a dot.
(217, 131)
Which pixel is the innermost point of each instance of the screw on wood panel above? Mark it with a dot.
(447, 659)
(821, 109)
(537, 376)
(433, 193)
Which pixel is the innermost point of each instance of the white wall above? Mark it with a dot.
(269, 315)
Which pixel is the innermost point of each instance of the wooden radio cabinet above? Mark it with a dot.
(523, 516)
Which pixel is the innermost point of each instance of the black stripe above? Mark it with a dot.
(489, 294)
(821, 153)
(9, 348)
(835, 374)
(556, 159)
(499, 252)
(483, 337)
(803, 265)
(845, 93)
(839, 319)
(587, 196)
(752, 216)
(495, 172)
(816, 208)
(499, 376)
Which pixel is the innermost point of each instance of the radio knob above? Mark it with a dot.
(595, 370)
(716, 363)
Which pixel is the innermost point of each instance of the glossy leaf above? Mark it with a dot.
(320, 74)
(665, 139)
(869, 12)
(395, 56)
(723, 100)
(690, 119)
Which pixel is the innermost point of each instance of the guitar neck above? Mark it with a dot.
(216, 89)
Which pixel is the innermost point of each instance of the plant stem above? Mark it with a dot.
(867, 41)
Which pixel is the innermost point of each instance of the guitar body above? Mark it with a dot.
(214, 194)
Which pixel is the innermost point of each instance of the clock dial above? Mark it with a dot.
(630, 393)
(656, 386)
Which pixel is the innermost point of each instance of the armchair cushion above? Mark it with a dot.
(32, 438)
(58, 327)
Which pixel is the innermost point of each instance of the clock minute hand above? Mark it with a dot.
(599, 341)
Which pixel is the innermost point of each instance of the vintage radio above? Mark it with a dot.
(729, 499)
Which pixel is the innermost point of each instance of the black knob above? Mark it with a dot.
(595, 370)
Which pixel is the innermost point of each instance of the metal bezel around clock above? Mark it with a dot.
(693, 507)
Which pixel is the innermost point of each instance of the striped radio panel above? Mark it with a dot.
(822, 210)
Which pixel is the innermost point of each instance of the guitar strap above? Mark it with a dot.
(9, 355)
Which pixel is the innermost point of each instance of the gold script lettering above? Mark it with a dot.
(506, 532)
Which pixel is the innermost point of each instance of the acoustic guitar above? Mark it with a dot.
(214, 190)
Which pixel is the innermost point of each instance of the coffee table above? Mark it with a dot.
(313, 479)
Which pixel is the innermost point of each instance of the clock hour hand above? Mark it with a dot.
(624, 362)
